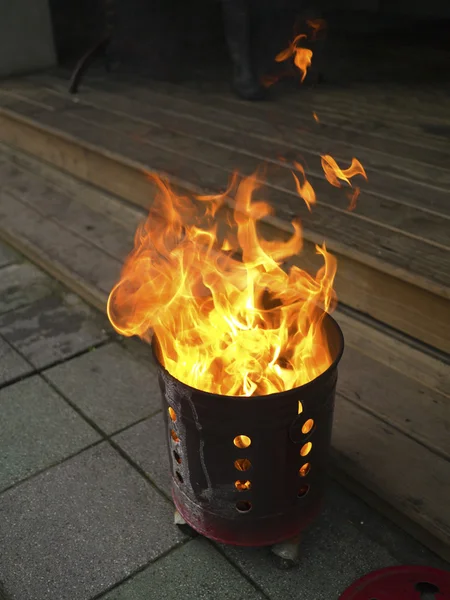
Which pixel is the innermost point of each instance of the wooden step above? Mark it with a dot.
(391, 440)
(393, 251)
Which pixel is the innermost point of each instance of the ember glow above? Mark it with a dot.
(232, 326)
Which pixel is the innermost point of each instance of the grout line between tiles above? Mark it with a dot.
(140, 569)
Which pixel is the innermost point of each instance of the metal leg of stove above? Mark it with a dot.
(183, 526)
(286, 554)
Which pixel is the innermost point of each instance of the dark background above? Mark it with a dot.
(402, 39)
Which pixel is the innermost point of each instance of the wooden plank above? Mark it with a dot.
(399, 355)
(351, 126)
(393, 467)
(331, 99)
(409, 406)
(404, 135)
(51, 265)
(296, 128)
(19, 221)
(111, 207)
(213, 172)
(397, 102)
(113, 237)
(416, 311)
(269, 123)
(302, 99)
(270, 131)
(148, 123)
(361, 123)
(398, 105)
(385, 244)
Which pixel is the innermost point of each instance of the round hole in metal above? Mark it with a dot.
(177, 457)
(303, 490)
(172, 414)
(305, 449)
(307, 426)
(242, 441)
(304, 470)
(243, 506)
(174, 436)
(243, 486)
(179, 477)
(242, 464)
(299, 408)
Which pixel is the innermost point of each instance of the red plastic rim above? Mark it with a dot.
(401, 583)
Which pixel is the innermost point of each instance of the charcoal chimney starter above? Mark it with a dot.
(250, 471)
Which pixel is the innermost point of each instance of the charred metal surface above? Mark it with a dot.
(257, 493)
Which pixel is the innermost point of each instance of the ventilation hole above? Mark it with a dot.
(175, 438)
(306, 449)
(300, 408)
(242, 441)
(243, 486)
(242, 464)
(427, 590)
(177, 457)
(172, 414)
(243, 506)
(303, 491)
(307, 426)
(304, 470)
(180, 479)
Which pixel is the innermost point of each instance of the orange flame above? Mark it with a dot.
(305, 189)
(302, 56)
(231, 326)
(315, 117)
(334, 173)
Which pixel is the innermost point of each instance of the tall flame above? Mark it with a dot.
(233, 326)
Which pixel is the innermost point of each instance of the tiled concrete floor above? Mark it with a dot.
(85, 509)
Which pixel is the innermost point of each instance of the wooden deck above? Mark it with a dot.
(391, 439)
(393, 250)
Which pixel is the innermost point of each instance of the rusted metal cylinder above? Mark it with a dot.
(250, 471)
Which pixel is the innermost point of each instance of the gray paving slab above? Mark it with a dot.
(374, 526)
(338, 549)
(196, 571)
(22, 284)
(7, 255)
(12, 365)
(37, 429)
(146, 444)
(81, 527)
(53, 328)
(109, 386)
